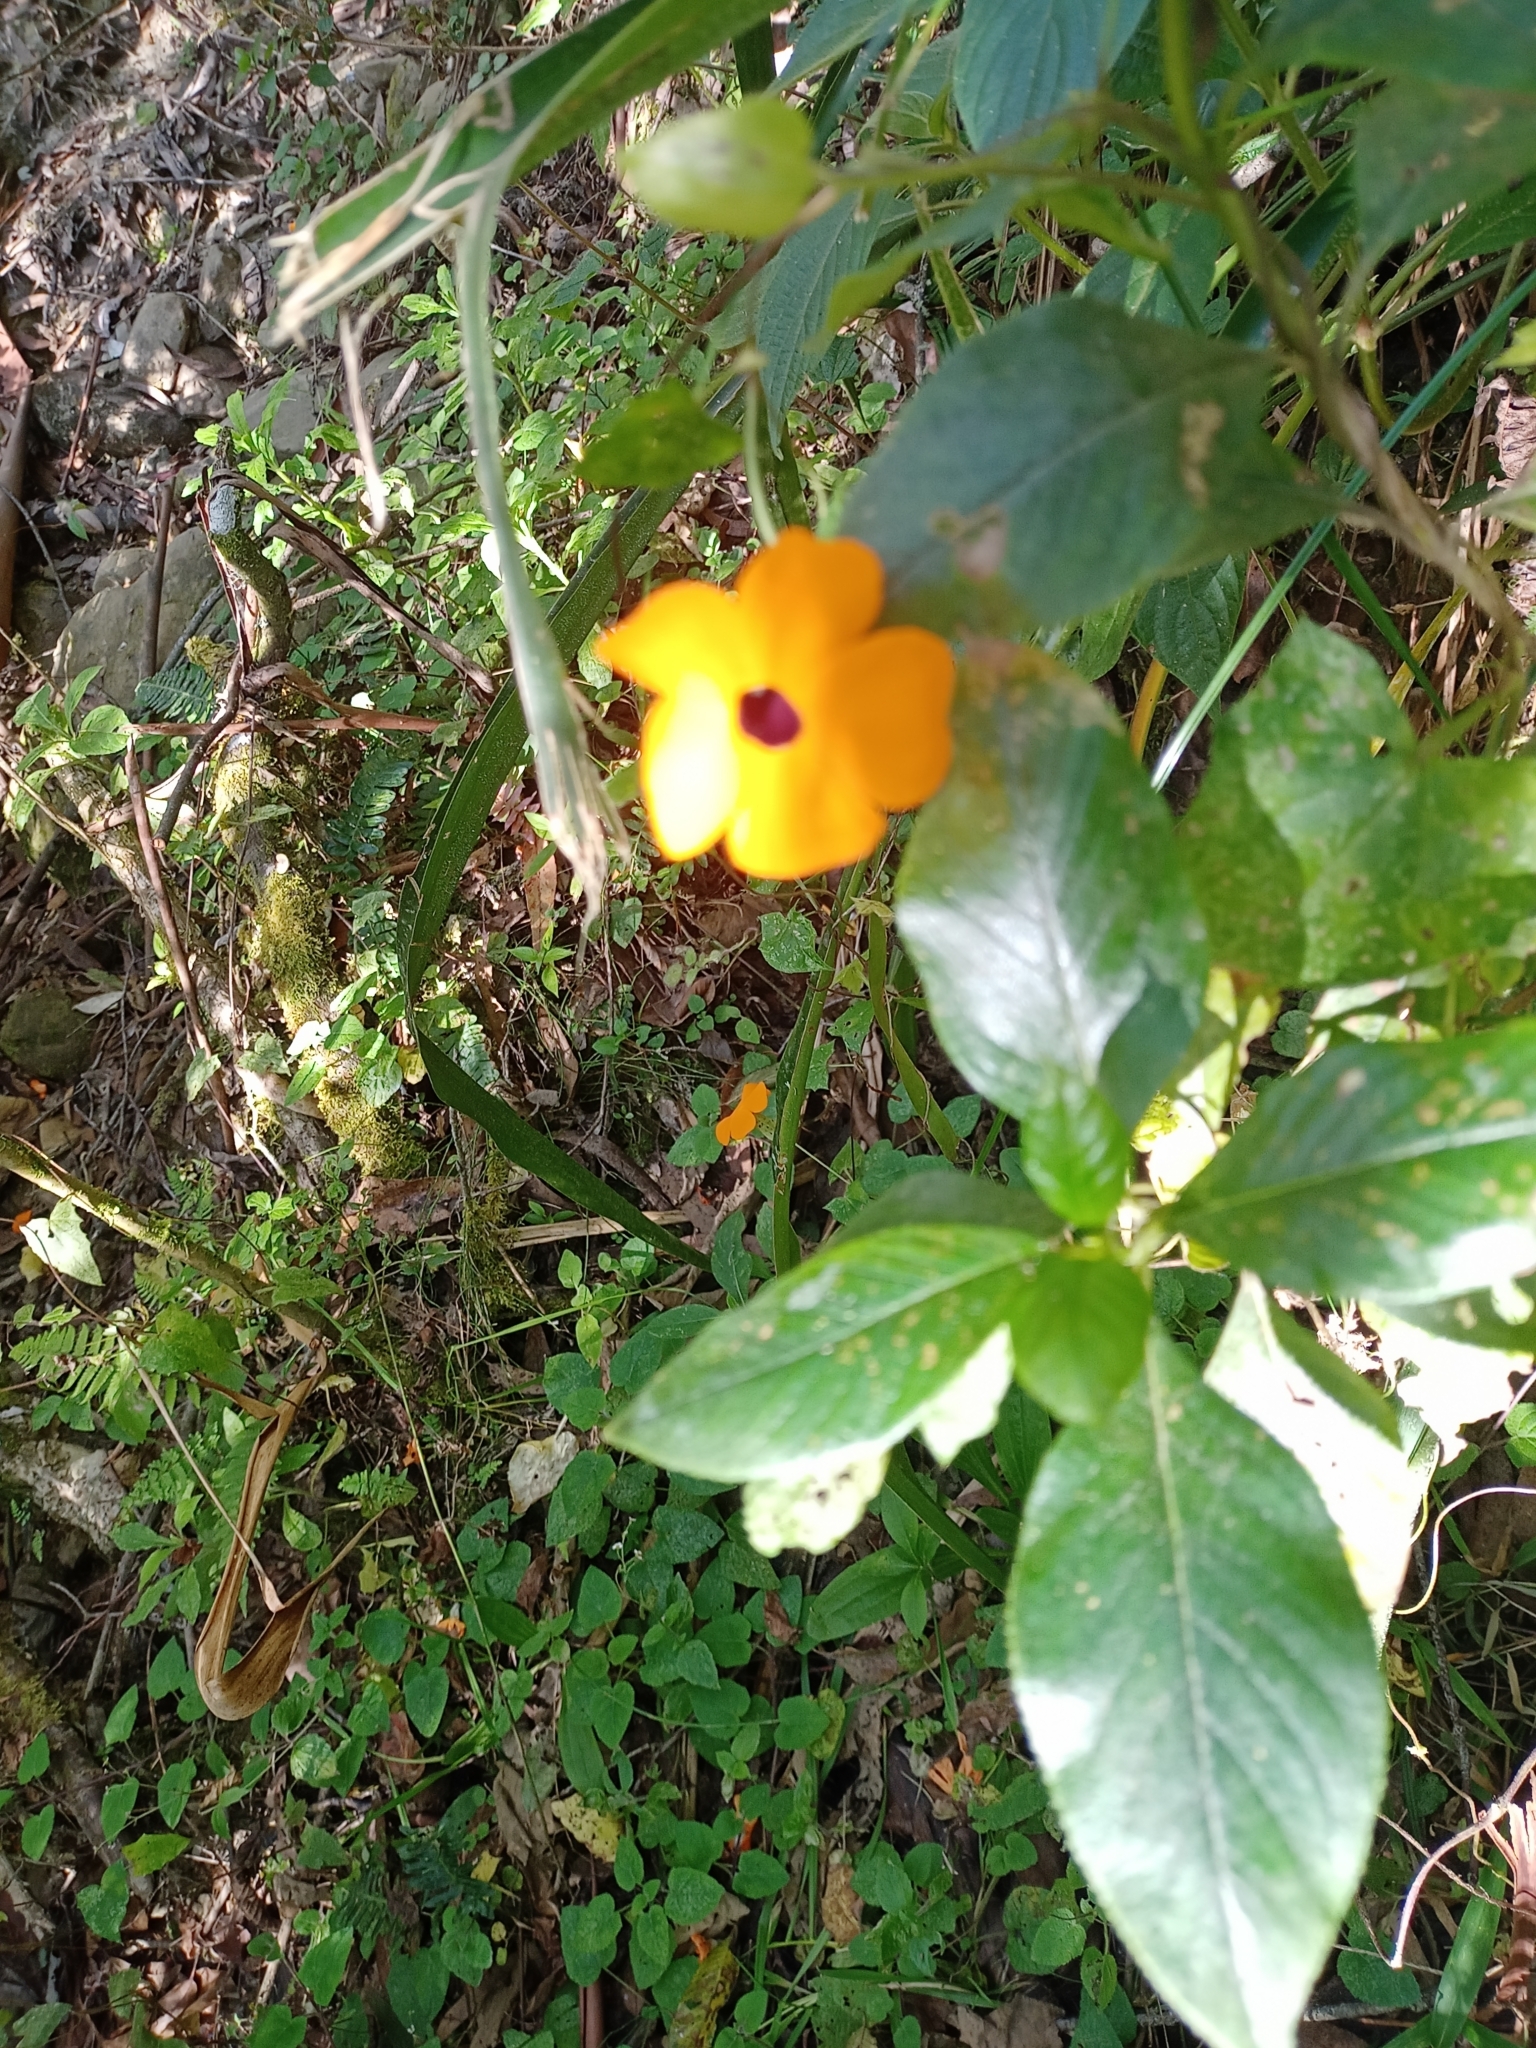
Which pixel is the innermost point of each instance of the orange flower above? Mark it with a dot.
(741, 1121)
(784, 722)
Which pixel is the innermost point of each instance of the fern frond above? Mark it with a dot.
(181, 693)
(358, 833)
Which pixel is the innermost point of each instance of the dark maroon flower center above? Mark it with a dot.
(768, 715)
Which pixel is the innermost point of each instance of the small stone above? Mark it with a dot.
(38, 616)
(297, 415)
(205, 376)
(44, 1035)
(219, 290)
(117, 422)
(107, 632)
(162, 331)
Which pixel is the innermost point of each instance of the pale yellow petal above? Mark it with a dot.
(689, 773)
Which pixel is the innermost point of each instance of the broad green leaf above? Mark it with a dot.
(1189, 622)
(1199, 1685)
(1070, 455)
(384, 1634)
(1170, 289)
(59, 1240)
(650, 1946)
(1337, 1427)
(512, 123)
(1060, 948)
(183, 1344)
(1422, 150)
(120, 1722)
(1019, 59)
(758, 1875)
(1079, 1331)
(36, 2027)
(834, 27)
(149, 1853)
(1403, 860)
(867, 1591)
(1494, 225)
(659, 437)
(325, 1964)
(1469, 42)
(37, 1832)
(117, 1803)
(425, 1689)
(1502, 1321)
(418, 1987)
(867, 1341)
(739, 170)
(588, 1938)
(947, 1196)
(1403, 1172)
(103, 1905)
(278, 2026)
(797, 291)
(1096, 643)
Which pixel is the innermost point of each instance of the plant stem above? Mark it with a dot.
(752, 463)
(1148, 697)
(935, 1122)
(798, 1050)
(902, 1481)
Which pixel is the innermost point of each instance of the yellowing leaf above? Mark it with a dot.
(595, 1830)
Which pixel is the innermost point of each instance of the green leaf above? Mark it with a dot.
(1403, 860)
(37, 1832)
(175, 1789)
(120, 1722)
(738, 170)
(787, 941)
(34, 1759)
(1336, 1426)
(1366, 1974)
(650, 1946)
(599, 1603)
(1096, 643)
(795, 304)
(834, 27)
(103, 1905)
(180, 1345)
(425, 1691)
(866, 1591)
(589, 1938)
(59, 1241)
(692, 1895)
(515, 121)
(117, 1803)
(802, 1720)
(1020, 59)
(149, 1853)
(418, 1986)
(464, 1946)
(1079, 1331)
(942, 1194)
(1191, 244)
(575, 1388)
(1422, 150)
(36, 2027)
(320, 1850)
(1189, 622)
(1474, 42)
(758, 1875)
(325, 1964)
(384, 1634)
(1405, 1172)
(1068, 456)
(1199, 1685)
(1061, 951)
(850, 1352)
(659, 437)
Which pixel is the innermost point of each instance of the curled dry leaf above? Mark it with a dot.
(535, 1469)
(234, 1695)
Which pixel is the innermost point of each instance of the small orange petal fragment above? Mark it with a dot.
(21, 1216)
(741, 1121)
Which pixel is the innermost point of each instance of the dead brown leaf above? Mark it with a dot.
(842, 1910)
(1021, 2023)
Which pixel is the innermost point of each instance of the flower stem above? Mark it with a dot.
(935, 1122)
(752, 462)
(797, 1059)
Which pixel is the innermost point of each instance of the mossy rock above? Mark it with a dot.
(46, 1036)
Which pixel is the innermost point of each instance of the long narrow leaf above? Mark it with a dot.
(498, 133)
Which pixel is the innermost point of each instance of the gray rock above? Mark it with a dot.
(117, 422)
(220, 290)
(205, 376)
(161, 331)
(297, 416)
(44, 1035)
(38, 616)
(107, 632)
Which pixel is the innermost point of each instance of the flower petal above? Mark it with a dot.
(689, 768)
(807, 596)
(802, 809)
(683, 629)
(895, 690)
